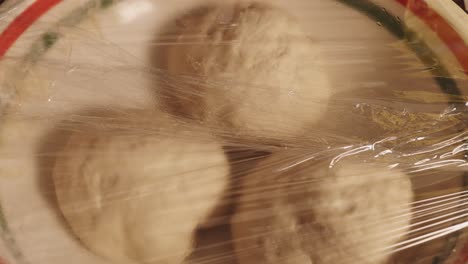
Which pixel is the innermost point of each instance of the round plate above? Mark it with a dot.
(62, 58)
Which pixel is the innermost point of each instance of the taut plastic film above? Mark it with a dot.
(248, 132)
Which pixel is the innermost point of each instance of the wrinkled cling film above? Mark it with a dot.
(368, 166)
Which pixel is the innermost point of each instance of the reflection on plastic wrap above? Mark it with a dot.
(247, 132)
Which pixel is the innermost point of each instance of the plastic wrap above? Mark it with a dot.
(150, 131)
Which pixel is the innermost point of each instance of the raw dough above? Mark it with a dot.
(310, 214)
(245, 69)
(136, 196)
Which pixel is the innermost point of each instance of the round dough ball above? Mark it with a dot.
(138, 197)
(310, 214)
(245, 69)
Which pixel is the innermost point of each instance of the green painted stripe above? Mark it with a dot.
(441, 75)
(3, 223)
(10, 243)
(419, 47)
(48, 39)
(40, 47)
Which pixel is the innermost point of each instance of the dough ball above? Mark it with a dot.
(245, 69)
(138, 197)
(310, 214)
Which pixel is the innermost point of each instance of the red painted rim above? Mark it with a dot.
(419, 7)
(21, 23)
(445, 32)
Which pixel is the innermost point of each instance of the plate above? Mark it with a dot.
(61, 58)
